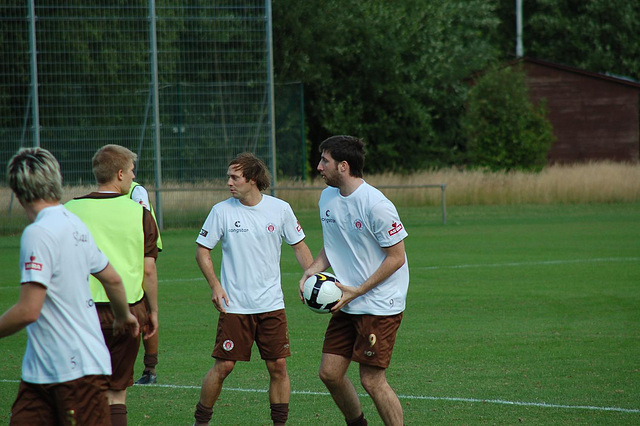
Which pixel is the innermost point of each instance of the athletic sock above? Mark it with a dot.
(118, 415)
(203, 414)
(279, 414)
(360, 421)
(150, 362)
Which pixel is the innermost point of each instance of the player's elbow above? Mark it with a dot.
(29, 316)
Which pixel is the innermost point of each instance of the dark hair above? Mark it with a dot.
(252, 168)
(34, 174)
(346, 148)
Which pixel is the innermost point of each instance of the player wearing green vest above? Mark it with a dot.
(127, 234)
(139, 194)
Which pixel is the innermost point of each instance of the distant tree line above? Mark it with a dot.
(398, 74)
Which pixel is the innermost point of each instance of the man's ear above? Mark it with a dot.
(343, 166)
(120, 174)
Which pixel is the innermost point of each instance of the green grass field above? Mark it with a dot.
(516, 314)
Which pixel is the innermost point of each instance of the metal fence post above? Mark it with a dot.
(35, 119)
(156, 113)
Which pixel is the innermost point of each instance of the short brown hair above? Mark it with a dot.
(253, 168)
(34, 174)
(109, 160)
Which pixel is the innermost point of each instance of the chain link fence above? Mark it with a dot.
(185, 86)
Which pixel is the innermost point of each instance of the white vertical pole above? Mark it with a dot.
(156, 112)
(35, 111)
(519, 48)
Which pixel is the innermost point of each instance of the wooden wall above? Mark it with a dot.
(594, 117)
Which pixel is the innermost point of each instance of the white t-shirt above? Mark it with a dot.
(251, 246)
(354, 230)
(65, 343)
(141, 196)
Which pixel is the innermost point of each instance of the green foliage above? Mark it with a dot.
(504, 129)
(595, 35)
(389, 72)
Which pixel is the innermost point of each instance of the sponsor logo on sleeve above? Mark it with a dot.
(204, 232)
(32, 264)
(395, 228)
(298, 227)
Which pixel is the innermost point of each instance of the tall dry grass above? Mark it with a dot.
(602, 182)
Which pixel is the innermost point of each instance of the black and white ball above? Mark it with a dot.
(321, 293)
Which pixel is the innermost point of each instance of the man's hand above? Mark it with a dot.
(128, 325)
(220, 299)
(348, 294)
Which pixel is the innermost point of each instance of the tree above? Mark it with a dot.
(595, 35)
(389, 72)
(505, 131)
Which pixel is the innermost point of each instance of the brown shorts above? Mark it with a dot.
(237, 332)
(78, 402)
(123, 348)
(366, 339)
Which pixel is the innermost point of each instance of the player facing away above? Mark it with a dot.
(139, 194)
(66, 363)
(127, 233)
(251, 227)
(374, 280)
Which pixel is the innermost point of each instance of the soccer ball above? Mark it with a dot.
(321, 293)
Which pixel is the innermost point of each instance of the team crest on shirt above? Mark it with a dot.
(395, 228)
(227, 345)
(32, 264)
(271, 228)
(358, 225)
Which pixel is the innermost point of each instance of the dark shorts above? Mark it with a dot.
(123, 348)
(78, 402)
(366, 339)
(237, 332)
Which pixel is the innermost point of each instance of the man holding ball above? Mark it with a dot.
(363, 242)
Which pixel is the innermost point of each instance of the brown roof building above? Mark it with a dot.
(594, 116)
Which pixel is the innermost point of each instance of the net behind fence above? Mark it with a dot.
(79, 75)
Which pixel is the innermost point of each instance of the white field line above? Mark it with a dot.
(473, 265)
(416, 397)
(533, 263)
(432, 268)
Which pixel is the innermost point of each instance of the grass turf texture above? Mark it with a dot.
(516, 314)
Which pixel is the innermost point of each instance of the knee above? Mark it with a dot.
(222, 369)
(327, 376)
(277, 368)
(372, 384)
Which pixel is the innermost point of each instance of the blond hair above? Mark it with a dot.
(34, 174)
(109, 160)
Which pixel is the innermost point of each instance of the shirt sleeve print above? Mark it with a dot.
(387, 226)
(36, 257)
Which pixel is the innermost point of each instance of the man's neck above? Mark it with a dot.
(252, 199)
(109, 187)
(32, 209)
(349, 185)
